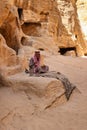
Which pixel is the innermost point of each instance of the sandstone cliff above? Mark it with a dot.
(46, 25)
(81, 10)
(54, 27)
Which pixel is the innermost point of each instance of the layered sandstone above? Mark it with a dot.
(11, 53)
(56, 21)
(45, 25)
(51, 26)
(32, 103)
(81, 10)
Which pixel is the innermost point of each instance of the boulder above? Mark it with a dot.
(47, 91)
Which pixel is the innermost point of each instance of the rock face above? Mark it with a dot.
(10, 37)
(46, 25)
(10, 27)
(81, 10)
(54, 20)
(71, 33)
(50, 25)
(48, 91)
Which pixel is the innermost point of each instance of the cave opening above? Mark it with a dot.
(64, 50)
(32, 29)
(85, 54)
(23, 40)
(20, 13)
(41, 49)
(10, 41)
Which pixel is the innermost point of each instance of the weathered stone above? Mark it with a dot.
(7, 55)
(10, 40)
(49, 90)
(3, 80)
(70, 53)
(81, 10)
(55, 19)
(11, 30)
(48, 25)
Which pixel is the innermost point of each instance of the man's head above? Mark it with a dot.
(37, 54)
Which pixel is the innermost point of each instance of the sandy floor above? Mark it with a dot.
(18, 113)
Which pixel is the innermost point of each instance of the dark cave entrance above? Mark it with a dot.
(41, 49)
(85, 54)
(23, 40)
(32, 29)
(11, 42)
(64, 50)
(20, 13)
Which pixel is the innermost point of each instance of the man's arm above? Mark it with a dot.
(31, 63)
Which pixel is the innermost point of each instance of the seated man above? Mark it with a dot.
(34, 65)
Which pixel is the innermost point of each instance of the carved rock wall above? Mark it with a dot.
(49, 25)
(41, 21)
(10, 37)
(56, 19)
(7, 55)
(70, 21)
(82, 14)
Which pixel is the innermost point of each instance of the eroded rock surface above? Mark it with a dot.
(81, 10)
(54, 20)
(46, 25)
(12, 57)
